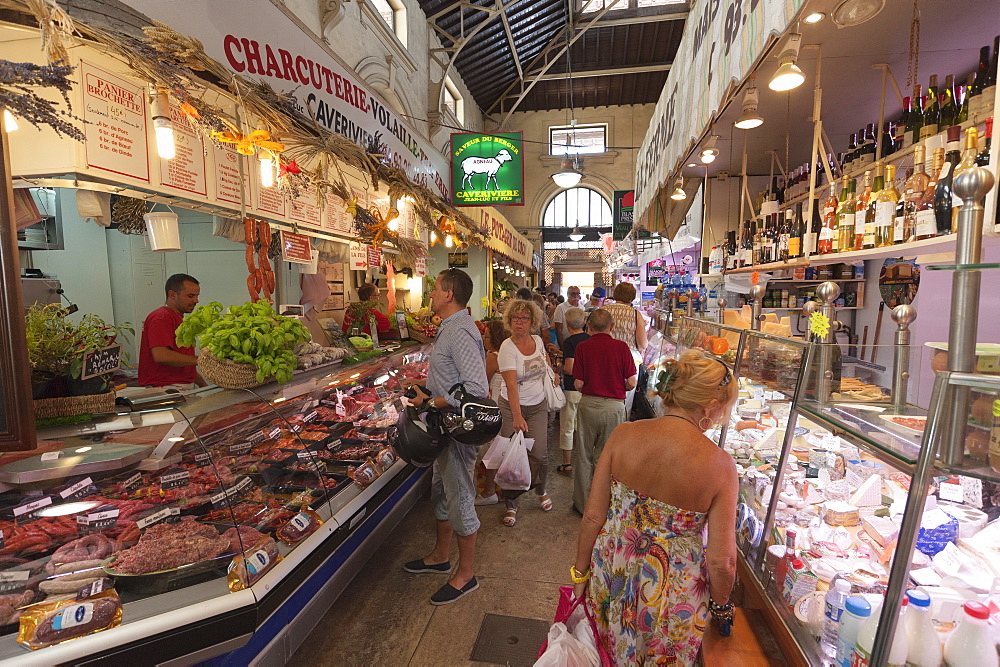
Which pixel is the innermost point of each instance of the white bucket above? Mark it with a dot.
(164, 232)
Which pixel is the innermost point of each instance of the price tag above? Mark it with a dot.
(221, 499)
(239, 448)
(255, 437)
(951, 491)
(101, 362)
(93, 588)
(315, 466)
(2, 542)
(297, 428)
(274, 433)
(156, 517)
(103, 518)
(133, 482)
(25, 510)
(333, 444)
(51, 456)
(78, 490)
(13, 580)
(243, 484)
(202, 458)
(310, 417)
(381, 392)
(175, 479)
(340, 410)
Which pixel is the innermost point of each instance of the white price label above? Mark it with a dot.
(156, 517)
(274, 433)
(301, 521)
(34, 506)
(15, 576)
(951, 491)
(71, 491)
(70, 617)
(51, 456)
(257, 562)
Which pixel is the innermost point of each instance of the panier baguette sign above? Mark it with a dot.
(295, 248)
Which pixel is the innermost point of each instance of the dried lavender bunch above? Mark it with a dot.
(18, 82)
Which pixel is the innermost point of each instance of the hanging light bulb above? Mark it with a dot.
(266, 172)
(788, 75)
(162, 125)
(568, 175)
(575, 235)
(709, 152)
(449, 241)
(678, 193)
(750, 119)
(9, 122)
(393, 224)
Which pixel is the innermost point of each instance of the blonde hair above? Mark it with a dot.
(694, 380)
(518, 306)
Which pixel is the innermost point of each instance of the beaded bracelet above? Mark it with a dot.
(721, 612)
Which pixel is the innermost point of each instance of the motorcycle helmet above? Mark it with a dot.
(419, 436)
(475, 422)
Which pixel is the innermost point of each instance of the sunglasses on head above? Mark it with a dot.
(728, 377)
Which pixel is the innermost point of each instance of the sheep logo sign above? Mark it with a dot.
(487, 169)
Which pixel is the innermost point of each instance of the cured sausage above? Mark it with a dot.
(249, 231)
(90, 547)
(251, 282)
(76, 620)
(249, 255)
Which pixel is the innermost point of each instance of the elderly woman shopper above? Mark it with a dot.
(649, 579)
(567, 416)
(630, 328)
(523, 365)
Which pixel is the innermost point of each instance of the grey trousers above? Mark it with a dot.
(537, 417)
(596, 418)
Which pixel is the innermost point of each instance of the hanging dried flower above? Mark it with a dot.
(18, 83)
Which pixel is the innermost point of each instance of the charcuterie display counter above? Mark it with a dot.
(216, 525)
(840, 479)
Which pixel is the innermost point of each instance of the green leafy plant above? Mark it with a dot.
(249, 334)
(57, 346)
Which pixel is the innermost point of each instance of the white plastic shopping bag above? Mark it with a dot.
(514, 472)
(565, 650)
(499, 448)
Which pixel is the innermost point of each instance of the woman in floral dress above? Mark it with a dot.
(642, 558)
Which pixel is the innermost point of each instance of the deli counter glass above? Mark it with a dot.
(203, 512)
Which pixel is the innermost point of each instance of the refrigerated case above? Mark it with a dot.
(852, 479)
(289, 486)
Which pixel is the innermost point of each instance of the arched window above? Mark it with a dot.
(577, 207)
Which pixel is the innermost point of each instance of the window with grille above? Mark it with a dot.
(579, 140)
(597, 5)
(577, 207)
(393, 13)
(453, 101)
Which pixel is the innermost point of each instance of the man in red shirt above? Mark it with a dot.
(357, 313)
(161, 361)
(603, 370)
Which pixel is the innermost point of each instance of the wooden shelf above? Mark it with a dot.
(792, 281)
(835, 308)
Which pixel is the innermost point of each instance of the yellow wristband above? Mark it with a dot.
(578, 577)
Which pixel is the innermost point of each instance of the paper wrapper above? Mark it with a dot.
(247, 568)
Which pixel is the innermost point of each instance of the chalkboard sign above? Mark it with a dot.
(100, 362)
(458, 260)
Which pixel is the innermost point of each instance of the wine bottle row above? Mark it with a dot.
(873, 214)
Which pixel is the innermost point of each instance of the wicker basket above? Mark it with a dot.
(420, 337)
(67, 406)
(226, 373)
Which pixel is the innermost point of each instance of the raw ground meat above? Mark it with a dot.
(166, 546)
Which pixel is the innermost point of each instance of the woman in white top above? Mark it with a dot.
(494, 335)
(522, 361)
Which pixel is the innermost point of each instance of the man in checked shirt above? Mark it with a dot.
(457, 356)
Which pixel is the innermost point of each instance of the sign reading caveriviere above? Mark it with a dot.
(487, 169)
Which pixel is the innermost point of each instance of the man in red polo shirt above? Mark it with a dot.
(603, 370)
(161, 361)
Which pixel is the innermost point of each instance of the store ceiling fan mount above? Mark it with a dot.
(855, 12)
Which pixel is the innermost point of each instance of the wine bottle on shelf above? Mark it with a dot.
(932, 111)
(847, 160)
(861, 214)
(983, 159)
(943, 194)
(758, 242)
(947, 102)
(868, 238)
(846, 216)
(888, 140)
(794, 231)
(885, 207)
(990, 86)
(916, 118)
(926, 224)
(969, 155)
(963, 109)
(899, 215)
(982, 74)
(913, 191)
(785, 236)
(731, 249)
(812, 229)
(866, 153)
(827, 232)
(902, 125)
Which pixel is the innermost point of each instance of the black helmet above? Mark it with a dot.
(419, 442)
(476, 422)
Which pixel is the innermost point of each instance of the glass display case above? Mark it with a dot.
(203, 510)
(843, 476)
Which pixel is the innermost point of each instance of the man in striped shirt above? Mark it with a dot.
(457, 356)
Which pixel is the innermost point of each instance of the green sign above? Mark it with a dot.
(487, 169)
(622, 220)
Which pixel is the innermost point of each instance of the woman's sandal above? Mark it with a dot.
(565, 468)
(545, 502)
(510, 517)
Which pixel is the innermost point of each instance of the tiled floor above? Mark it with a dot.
(385, 618)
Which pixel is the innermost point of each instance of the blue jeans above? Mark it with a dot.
(453, 488)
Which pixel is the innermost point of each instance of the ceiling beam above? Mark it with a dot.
(635, 20)
(510, 39)
(554, 45)
(613, 71)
